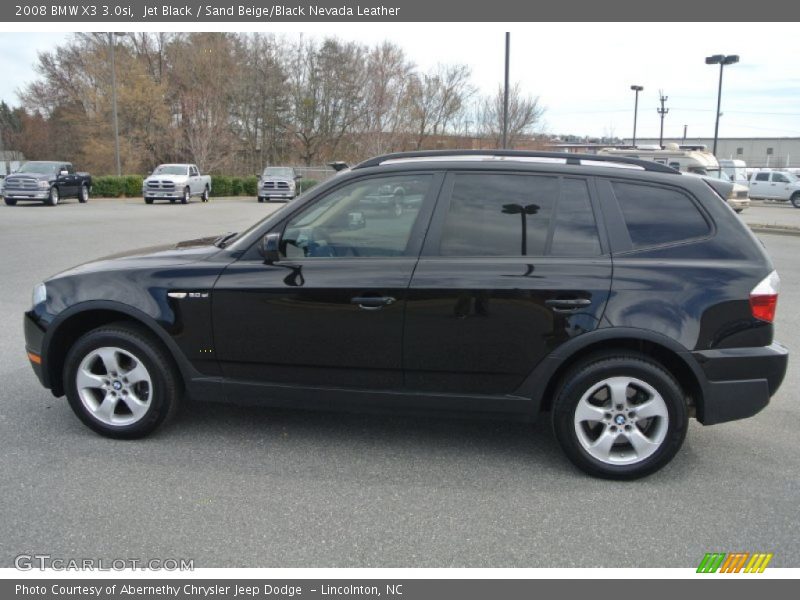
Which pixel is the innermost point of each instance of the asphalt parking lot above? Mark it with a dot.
(245, 487)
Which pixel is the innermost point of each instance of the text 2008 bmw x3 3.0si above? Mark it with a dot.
(615, 295)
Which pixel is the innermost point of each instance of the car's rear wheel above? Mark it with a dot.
(120, 382)
(620, 415)
(83, 196)
(10, 202)
(52, 197)
(796, 199)
(187, 194)
(204, 197)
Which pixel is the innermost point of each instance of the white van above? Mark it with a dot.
(695, 160)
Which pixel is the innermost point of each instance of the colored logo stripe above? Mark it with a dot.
(734, 562)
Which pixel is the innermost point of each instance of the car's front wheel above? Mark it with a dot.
(52, 197)
(187, 194)
(120, 382)
(620, 415)
(10, 202)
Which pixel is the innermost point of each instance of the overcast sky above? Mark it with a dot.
(581, 72)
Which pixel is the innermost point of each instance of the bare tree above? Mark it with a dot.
(438, 98)
(524, 113)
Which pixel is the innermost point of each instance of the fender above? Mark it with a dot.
(187, 370)
(535, 385)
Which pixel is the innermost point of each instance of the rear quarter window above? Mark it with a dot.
(655, 216)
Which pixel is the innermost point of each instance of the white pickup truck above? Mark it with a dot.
(176, 182)
(776, 185)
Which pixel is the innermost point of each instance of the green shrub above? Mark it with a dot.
(111, 186)
(250, 186)
(133, 185)
(307, 184)
(220, 185)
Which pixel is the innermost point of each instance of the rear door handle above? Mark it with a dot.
(372, 302)
(567, 304)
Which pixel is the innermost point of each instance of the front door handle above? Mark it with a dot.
(372, 302)
(567, 304)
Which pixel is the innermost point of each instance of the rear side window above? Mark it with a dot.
(519, 215)
(762, 176)
(656, 215)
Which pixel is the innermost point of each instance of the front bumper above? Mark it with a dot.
(275, 194)
(163, 195)
(739, 381)
(37, 195)
(34, 338)
(738, 203)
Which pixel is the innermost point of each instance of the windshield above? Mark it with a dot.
(286, 172)
(39, 167)
(170, 170)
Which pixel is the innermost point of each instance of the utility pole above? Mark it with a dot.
(111, 42)
(662, 112)
(636, 89)
(505, 94)
(685, 127)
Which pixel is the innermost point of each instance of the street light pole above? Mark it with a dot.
(721, 60)
(636, 89)
(114, 102)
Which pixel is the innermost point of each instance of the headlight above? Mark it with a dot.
(43, 185)
(39, 294)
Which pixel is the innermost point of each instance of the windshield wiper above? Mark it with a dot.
(223, 240)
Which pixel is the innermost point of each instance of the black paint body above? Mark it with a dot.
(482, 334)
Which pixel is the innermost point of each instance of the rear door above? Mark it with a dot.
(760, 185)
(513, 266)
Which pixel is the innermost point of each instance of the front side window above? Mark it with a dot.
(656, 215)
(780, 178)
(367, 218)
(519, 215)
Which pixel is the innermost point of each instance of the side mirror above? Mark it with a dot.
(63, 172)
(270, 248)
(298, 177)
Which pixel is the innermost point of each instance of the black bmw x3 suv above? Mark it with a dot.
(616, 295)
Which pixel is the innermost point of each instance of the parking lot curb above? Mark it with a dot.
(775, 229)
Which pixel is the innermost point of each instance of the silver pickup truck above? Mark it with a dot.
(176, 182)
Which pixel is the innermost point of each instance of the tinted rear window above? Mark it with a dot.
(656, 215)
(519, 215)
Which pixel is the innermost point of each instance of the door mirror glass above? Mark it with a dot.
(270, 248)
(63, 172)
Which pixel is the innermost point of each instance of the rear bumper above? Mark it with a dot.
(739, 381)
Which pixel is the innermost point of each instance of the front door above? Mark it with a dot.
(513, 267)
(330, 311)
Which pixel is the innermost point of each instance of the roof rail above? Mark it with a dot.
(569, 157)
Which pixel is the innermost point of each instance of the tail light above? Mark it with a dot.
(764, 297)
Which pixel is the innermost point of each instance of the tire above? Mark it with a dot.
(52, 197)
(187, 194)
(10, 202)
(260, 199)
(148, 200)
(204, 196)
(83, 195)
(738, 211)
(397, 209)
(172, 200)
(796, 199)
(602, 447)
(108, 369)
